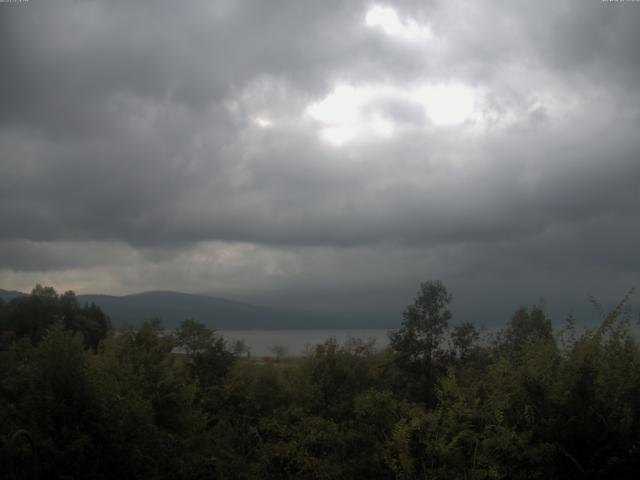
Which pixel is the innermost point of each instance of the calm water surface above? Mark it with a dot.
(261, 342)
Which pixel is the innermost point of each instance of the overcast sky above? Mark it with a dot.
(325, 154)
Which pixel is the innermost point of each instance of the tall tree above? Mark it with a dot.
(463, 337)
(418, 340)
(194, 336)
(528, 325)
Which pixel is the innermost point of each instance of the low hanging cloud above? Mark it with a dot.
(317, 153)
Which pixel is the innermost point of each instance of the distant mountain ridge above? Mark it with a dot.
(173, 307)
(221, 314)
(7, 295)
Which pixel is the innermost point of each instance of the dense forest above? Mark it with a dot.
(81, 400)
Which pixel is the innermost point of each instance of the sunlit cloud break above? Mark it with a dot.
(353, 113)
(386, 19)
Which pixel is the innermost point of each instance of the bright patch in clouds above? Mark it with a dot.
(386, 19)
(345, 117)
(262, 122)
(447, 104)
(351, 113)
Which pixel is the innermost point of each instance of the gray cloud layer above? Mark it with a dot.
(132, 153)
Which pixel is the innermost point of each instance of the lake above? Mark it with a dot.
(260, 342)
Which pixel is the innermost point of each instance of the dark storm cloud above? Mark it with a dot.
(30, 256)
(116, 109)
(139, 132)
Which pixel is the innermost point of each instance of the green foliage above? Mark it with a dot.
(208, 359)
(30, 317)
(464, 338)
(424, 324)
(147, 403)
(193, 336)
(418, 342)
(527, 325)
(299, 446)
(334, 376)
(62, 400)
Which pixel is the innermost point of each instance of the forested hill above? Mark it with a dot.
(173, 307)
(218, 313)
(7, 295)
